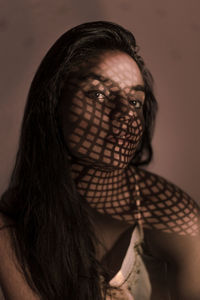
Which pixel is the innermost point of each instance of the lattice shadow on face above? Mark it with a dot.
(102, 121)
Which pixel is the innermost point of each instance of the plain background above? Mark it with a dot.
(168, 33)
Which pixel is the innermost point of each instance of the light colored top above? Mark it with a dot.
(132, 280)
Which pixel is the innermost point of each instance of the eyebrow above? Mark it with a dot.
(139, 87)
(101, 78)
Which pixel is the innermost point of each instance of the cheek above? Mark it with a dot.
(137, 126)
(87, 123)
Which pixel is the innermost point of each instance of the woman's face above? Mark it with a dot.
(102, 111)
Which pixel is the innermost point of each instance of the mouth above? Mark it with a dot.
(123, 139)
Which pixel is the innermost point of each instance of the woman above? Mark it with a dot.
(78, 202)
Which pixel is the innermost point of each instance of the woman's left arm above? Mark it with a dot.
(182, 255)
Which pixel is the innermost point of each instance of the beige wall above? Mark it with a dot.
(168, 34)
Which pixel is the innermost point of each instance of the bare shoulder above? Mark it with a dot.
(154, 184)
(165, 206)
(5, 239)
(12, 281)
(171, 220)
(5, 235)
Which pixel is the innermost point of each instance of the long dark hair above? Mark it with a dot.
(52, 235)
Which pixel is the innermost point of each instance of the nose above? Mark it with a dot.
(125, 119)
(122, 109)
(121, 117)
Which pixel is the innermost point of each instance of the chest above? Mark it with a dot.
(113, 240)
(113, 259)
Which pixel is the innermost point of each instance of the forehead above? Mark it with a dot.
(120, 68)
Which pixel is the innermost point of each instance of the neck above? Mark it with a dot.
(109, 191)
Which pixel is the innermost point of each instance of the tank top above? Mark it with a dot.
(132, 280)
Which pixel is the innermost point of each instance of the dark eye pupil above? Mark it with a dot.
(136, 103)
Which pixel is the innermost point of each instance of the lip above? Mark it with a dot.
(119, 139)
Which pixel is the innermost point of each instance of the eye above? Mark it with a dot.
(96, 95)
(137, 103)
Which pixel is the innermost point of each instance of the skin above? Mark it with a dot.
(106, 109)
